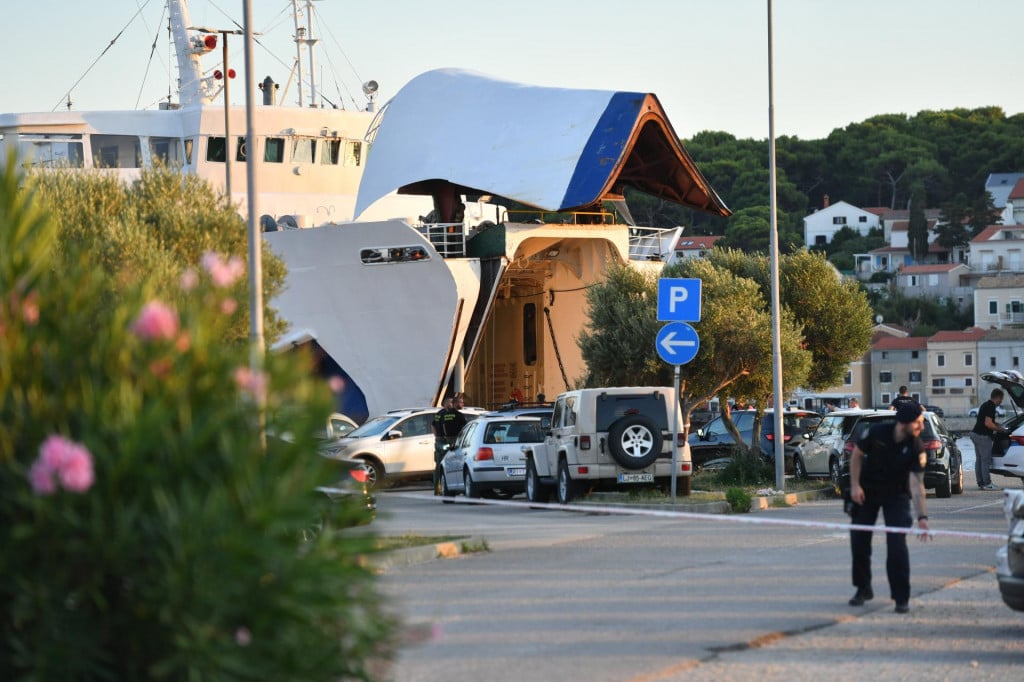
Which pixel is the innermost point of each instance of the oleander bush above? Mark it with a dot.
(145, 530)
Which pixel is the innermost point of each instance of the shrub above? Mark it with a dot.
(746, 468)
(145, 531)
(739, 499)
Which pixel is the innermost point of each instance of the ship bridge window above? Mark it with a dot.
(51, 151)
(353, 152)
(273, 151)
(116, 151)
(215, 149)
(330, 153)
(190, 144)
(393, 254)
(303, 150)
(166, 150)
(240, 150)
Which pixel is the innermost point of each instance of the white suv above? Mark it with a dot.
(608, 437)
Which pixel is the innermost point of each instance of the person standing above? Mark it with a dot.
(985, 429)
(446, 426)
(887, 473)
(854, 404)
(903, 398)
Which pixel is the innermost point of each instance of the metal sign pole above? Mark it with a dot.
(675, 431)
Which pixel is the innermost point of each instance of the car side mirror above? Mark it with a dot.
(394, 434)
(805, 435)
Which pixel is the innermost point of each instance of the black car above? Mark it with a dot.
(944, 471)
(353, 482)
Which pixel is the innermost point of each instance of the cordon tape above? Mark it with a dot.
(724, 518)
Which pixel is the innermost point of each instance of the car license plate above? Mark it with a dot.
(512, 472)
(636, 478)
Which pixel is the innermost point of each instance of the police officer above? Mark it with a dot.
(446, 425)
(886, 473)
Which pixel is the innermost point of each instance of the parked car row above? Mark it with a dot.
(713, 441)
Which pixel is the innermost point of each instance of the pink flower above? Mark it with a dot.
(251, 381)
(228, 306)
(41, 478)
(76, 474)
(243, 637)
(30, 308)
(223, 273)
(69, 461)
(189, 280)
(336, 383)
(156, 321)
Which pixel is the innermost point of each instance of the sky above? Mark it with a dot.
(836, 62)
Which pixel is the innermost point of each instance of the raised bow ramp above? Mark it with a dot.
(551, 148)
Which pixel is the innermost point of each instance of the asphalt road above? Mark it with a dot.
(566, 596)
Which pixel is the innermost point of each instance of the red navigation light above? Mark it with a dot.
(231, 73)
(210, 41)
(217, 74)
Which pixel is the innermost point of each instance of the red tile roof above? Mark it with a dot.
(1018, 190)
(989, 232)
(694, 243)
(972, 334)
(901, 343)
(928, 269)
(877, 210)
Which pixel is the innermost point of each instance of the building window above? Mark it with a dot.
(938, 383)
(991, 362)
(993, 307)
(1016, 361)
(915, 354)
(848, 379)
(839, 220)
(940, 360)
(886, 399)
(862, 219)
(968, 359)
(915, 377)
(885, 377)
(885, 355)
(912, 280)
(968, 381)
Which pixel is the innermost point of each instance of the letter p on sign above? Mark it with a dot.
(679, 300)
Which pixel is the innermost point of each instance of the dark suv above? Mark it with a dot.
(944, 470)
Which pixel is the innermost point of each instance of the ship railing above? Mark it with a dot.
(653, 243)
(448, 239)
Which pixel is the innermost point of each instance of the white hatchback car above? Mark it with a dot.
(1008, 451)
(488, 456)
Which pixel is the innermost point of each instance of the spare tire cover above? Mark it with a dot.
(634, 441)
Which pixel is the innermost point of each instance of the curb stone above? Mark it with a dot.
(423, 553)
(758, 502)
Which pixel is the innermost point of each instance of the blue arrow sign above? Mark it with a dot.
(678, 300)
(677, 343)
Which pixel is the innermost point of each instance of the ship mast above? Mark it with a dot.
(304, 36)
(193, 88)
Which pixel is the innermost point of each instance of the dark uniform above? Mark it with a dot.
(447, 423)
(884, 478)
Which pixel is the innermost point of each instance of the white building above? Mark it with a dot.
(821, 226)
(999, 248)
(999, 302)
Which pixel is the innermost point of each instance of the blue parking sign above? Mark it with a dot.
(679, 300)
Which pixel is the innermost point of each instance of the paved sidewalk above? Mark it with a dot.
(962, 632)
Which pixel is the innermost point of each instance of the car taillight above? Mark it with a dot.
(1017, 440)
(483, 454)
(361, 475)
(685, 466)
(934, 448)
(584, 442)
(770, 436)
